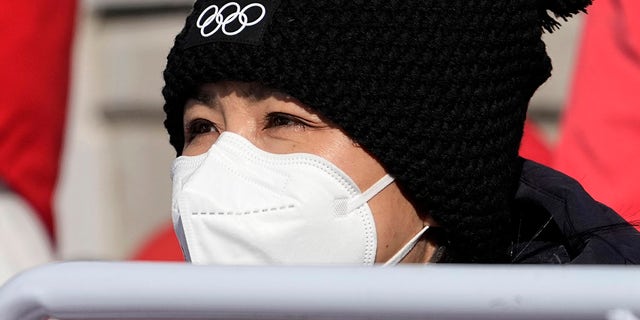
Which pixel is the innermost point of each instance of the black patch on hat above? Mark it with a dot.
(241, 21)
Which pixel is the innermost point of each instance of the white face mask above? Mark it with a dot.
(237, 204)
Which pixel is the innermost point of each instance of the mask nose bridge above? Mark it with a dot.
(236, 150)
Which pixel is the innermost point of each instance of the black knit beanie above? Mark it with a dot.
(436, 90)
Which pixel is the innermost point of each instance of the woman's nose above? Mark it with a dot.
(243, 123)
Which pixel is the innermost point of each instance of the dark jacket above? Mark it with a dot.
(556, 221)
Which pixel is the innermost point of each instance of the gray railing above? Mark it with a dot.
(101, 290)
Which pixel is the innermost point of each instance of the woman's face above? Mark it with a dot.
(278, 123)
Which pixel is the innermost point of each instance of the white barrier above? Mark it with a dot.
(102, 290)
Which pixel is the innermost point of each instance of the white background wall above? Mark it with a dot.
(114, 189)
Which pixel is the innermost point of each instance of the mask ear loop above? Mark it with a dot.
(363, 198)
(406, 248)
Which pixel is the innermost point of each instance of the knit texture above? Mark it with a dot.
(436, 90)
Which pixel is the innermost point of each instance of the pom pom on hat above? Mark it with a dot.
(561, 9)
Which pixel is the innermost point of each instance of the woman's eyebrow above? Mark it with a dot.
(207, 99)
(255, 91)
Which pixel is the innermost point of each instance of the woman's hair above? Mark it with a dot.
(436, 90)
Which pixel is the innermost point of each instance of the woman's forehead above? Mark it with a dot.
(210, 94)
(250, 90)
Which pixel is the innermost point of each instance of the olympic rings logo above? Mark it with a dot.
(216, 15)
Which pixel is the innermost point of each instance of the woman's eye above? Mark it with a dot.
(277, 119)
(198, 127)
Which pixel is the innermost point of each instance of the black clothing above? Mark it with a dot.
(556, 221)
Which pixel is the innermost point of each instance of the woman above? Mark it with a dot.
(371, 132)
